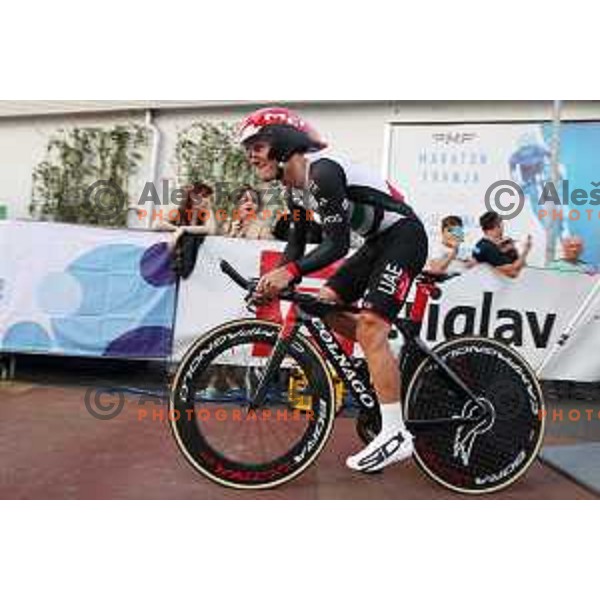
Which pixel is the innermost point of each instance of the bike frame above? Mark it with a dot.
(310, 315)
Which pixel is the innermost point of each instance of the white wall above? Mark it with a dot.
(354, 129)
(23, 144)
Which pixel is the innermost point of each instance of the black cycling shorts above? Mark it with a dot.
(383, 270)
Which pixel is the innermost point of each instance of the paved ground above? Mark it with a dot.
(51, 447)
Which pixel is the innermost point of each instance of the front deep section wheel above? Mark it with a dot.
(506, 429)
(232, 442)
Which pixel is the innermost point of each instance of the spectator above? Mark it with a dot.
(449, 255)
(195, 215)
(247, 220)
(572, 249)
(195, 220)
(498, 251)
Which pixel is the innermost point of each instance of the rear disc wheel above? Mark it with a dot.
(496, 449)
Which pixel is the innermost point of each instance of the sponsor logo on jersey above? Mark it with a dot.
(333, 219)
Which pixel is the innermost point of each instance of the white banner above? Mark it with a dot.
(530, 313)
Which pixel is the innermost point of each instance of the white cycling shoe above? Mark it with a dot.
(387, 448)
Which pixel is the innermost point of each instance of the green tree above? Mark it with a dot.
(208, 152)
(66, 184)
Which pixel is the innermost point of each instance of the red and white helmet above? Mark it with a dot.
(286, 132)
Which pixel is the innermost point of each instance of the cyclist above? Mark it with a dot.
(345, 198)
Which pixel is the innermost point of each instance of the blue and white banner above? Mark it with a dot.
(80, 291)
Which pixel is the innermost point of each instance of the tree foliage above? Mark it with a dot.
(208, 152)
(65, 183)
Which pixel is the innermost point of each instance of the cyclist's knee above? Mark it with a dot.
(328, 295)
(372, 330)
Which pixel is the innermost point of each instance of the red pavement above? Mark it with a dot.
(51, 447)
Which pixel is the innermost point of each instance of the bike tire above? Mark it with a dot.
(214, 463)
(502, 450)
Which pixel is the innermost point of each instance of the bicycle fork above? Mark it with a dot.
(285, 339)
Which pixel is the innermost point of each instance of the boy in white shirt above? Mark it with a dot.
(449, 255)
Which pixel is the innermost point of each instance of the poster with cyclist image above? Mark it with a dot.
(451, 169)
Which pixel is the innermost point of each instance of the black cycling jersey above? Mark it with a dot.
(345, 198)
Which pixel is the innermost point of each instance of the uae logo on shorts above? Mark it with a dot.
(394, 281)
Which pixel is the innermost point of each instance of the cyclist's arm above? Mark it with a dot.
(329, 189)
(296, 241)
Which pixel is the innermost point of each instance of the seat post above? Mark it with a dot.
(425, 291)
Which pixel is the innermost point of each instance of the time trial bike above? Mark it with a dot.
(253, 402)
